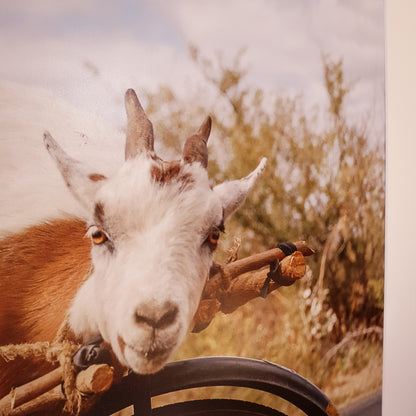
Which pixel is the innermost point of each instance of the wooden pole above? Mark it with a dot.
(29, 391)
(222, 279)
(259, 260)
(245, 288)
(47, 402)
(229, 293)
(45, 393)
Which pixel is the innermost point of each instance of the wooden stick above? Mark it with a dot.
(29, 391)
(205, 313)
(222, 279)
(245, 288)
(242, 289)
(45, 393)
(259, 260)
(95, 379)
(49, 401)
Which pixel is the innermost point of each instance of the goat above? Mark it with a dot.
(137, 279)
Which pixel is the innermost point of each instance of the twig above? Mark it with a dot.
(46, 393)
(259, 260)
(245, 288)
(97, 378)
(48, 401)
(29, 391)
(222, 280)
(350, 337)
(226, 290)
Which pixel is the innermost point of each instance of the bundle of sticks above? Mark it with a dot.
(45, 395)
(229, 287)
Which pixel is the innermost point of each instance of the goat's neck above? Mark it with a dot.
(41, 269)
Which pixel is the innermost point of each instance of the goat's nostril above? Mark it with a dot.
(156, 316)
(142, 319)
(168, 318)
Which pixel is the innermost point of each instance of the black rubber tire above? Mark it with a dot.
(215, 407)
(137, 390)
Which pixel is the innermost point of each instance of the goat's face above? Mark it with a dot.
(154, 228)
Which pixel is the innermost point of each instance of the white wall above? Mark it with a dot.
(399, 389)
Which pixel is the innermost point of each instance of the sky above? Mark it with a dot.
(89, 52)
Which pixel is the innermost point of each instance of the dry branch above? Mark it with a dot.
(46, 393)
(245, 288)
(29, 391)
(97, 378)
(259, 260)
(350, 337)
(228, 289)
(222, 279)
(46, 402)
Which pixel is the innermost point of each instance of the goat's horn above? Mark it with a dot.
(195, 149)
(139, 136)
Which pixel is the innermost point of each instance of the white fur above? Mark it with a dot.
(159, 255)
(156, 255)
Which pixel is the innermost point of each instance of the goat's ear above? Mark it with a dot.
(195, 149)
(234, 193)
(80, 180)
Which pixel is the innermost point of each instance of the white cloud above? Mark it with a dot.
(64, 66)
(28, 10)
(284, 41)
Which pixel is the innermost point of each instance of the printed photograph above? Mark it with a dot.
(192, 207)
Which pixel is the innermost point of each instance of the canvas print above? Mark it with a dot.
(192, 207)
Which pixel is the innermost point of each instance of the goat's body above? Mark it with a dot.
(41, 269)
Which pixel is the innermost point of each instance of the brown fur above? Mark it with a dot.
(41, 269)
(99, 213)
(165, 172)
(95, 177)
(195, 150)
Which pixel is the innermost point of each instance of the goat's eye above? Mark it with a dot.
(98, 237)
(214, 236)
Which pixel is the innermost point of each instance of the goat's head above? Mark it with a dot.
(154, 227)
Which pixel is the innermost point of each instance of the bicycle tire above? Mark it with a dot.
(264, 376)
(215, 407)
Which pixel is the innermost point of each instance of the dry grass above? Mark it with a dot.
(356, 374)
(274, 330)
